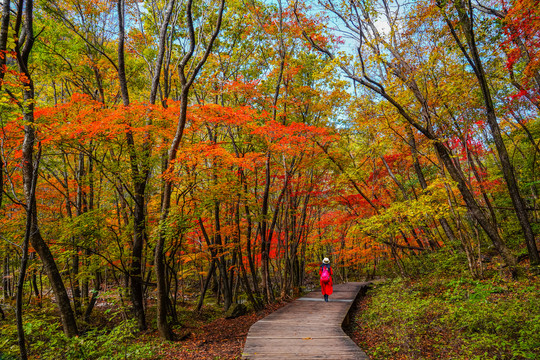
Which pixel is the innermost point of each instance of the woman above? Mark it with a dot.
(325, 274)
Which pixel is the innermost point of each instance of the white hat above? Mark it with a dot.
(326, 261)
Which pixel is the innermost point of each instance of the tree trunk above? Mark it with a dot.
(265, 246)
(507, 168)
(206, 283)
(249, 253)
(5, 279)
(139, 178)
(30, 207)
(4, 29)
(93, 299)
(66, 312)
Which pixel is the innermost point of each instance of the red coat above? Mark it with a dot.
(326, 288)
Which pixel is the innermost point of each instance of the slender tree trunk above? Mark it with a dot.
(139, 216)
(49, 264)
(159, 259)
(30, 207)
(211, 271)
(265, 246)
(251, 263)
(4, 29)
(6, 277)
(93, 298)
(137, 251)
(222, 262)
(161, 51)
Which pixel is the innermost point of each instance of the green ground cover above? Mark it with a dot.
(448, 315)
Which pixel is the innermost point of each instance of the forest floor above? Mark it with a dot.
(450, 318)
(218, 339)
(205, 335)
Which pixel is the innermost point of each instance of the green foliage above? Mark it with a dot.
(46, 340)
(457, 318)
(174, 226)
(431, 204)
(88, 226)
(445, 263)
(6, 357)
(495, 316)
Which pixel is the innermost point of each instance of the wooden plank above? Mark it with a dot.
(307, 328)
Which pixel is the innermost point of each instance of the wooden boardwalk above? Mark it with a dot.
(307, 328)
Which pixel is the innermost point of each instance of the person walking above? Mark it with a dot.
(325, 273)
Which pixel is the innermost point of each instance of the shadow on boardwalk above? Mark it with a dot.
(307, 328)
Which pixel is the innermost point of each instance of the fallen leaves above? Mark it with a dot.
(219, 339)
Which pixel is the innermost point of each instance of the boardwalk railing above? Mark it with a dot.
(307, 328)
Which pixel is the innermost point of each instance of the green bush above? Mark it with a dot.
(46, 340)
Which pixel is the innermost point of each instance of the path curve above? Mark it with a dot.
(307, 328)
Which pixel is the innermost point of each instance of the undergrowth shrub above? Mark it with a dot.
(453, 318)
(45, 340)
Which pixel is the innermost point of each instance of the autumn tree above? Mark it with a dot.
(23, 28)
(469, 48)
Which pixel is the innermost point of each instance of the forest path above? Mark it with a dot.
(307, 328)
